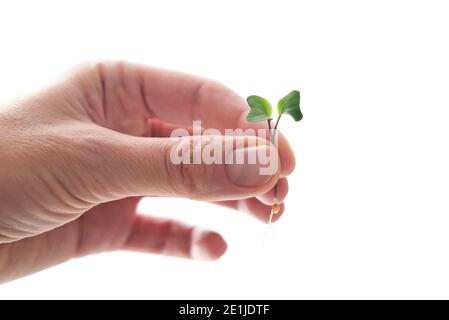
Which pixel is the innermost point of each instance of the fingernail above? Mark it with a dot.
(248, 174)
(207, 245)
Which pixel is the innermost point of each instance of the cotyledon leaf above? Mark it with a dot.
(290, 105)
(261, 109)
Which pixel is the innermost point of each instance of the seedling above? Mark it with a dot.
(261, 110)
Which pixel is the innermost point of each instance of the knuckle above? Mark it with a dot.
(83, 165)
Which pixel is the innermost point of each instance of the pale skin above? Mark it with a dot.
(77, 156)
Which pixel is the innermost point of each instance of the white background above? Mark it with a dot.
(367, 215)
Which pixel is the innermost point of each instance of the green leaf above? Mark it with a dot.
(290, 105)
(261, 109)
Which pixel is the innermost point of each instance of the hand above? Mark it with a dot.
(77, 157)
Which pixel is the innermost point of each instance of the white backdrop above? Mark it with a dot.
(367, 215)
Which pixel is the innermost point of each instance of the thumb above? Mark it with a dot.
(196, 167)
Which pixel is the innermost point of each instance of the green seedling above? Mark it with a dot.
(261, 110)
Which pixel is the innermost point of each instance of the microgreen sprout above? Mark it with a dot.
(261, 110)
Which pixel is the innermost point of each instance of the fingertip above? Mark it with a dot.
(207, 245)
(265, 218)
(277, 216)
(281, 193)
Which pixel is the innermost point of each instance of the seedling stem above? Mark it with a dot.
(261, 110)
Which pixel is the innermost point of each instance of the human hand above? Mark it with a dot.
(77, 157)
